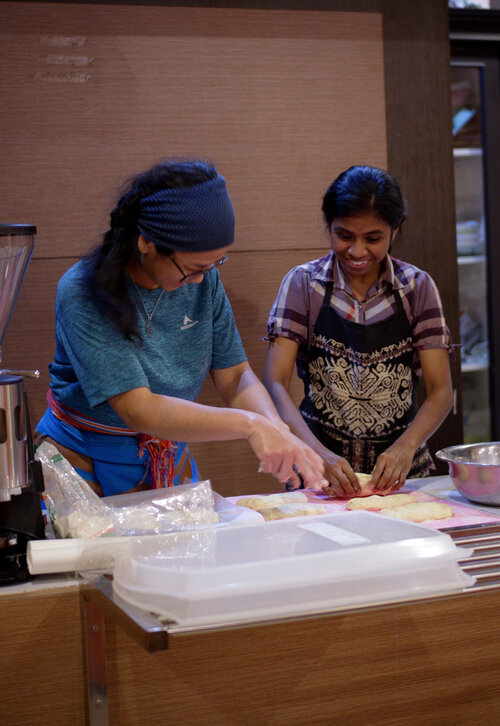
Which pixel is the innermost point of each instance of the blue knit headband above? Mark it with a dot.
(189, 219)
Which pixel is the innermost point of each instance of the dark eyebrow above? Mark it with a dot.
(339, 228)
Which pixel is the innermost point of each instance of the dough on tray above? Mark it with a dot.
(364, 480)
(365, 491)
(377, 502)
(420, 511)
(260, 503)
(295, 509)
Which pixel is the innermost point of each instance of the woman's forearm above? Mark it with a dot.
(251, 395)
(437, 404)
(279, 452)
(429, 417)
(293, 418)
(175, 419)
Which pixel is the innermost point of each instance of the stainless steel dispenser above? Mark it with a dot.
(13, 459)
(21, 480)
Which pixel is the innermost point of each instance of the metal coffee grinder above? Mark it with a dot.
(21, 479)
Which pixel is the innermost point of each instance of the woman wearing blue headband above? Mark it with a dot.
(140, 322)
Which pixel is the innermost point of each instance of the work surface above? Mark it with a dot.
(435, 488)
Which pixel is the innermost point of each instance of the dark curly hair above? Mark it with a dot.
(365, 189)
(105, 264)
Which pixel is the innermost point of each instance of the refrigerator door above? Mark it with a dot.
(472, 250)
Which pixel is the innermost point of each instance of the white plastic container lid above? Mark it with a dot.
(308, 564)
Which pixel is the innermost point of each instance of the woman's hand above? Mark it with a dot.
(392, 467)
(342, 481)
(285, 456)
(280, 452)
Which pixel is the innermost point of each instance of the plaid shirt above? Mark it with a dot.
(296, 308)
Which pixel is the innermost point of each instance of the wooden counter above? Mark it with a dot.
(421, 663)
(43, 671)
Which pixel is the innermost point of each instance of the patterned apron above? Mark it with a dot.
(360, 386)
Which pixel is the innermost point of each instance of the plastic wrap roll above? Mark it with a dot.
(70, 555)
(47, 556)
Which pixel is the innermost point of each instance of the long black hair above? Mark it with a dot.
(362, 190)
(105, 264)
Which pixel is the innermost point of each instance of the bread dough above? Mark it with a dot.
(256, 503)
(295, 509)
(364, 481)
(377, 502)
(259, 503)
(420, 511)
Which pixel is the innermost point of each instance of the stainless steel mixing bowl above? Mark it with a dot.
(475, 470)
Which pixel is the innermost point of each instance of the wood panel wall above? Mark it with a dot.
(281, 96)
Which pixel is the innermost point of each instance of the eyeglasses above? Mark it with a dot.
(192, 275)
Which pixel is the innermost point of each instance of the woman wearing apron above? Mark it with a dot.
(362, 327)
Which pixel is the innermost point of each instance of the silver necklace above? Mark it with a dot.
(149, 316)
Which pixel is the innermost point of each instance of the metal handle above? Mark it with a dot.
(24, 374)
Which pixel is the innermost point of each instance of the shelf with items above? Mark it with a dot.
(473, 322)
(475, 359)
(471, 259)
(477, 416)
(474, 367)
(474, 338)
(469, 201)
(467, 151)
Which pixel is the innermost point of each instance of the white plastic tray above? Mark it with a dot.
(288, 567)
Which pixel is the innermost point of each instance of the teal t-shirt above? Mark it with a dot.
(193, 331)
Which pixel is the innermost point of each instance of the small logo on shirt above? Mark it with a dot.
(188, 323)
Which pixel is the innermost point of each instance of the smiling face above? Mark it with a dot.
(151, 269)
(360, 244)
